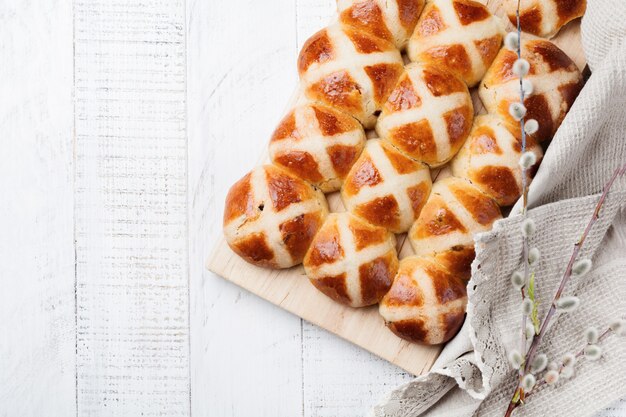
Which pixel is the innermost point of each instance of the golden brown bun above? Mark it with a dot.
(386, 188)
(392, 20)
(318, 144)
(554, 76)
(545, 17)
(489, 159)
(428, 115)
(426, 303)
(461, 36)
(349, 70)
(445, 229)
(271, 217)
(352, 261)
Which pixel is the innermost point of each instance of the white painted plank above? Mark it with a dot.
(311, 16)
(340, 379)
(322, 377)
(246, 353)
(37, 338)
(131, 208)
(250, 358)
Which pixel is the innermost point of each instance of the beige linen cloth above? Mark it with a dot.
(472, 375)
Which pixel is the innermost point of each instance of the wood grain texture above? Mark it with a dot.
(131, 194)
(341, 379)
(246, 353)
(126, 182)
(37, 331)
(291, 290)
(241, 345)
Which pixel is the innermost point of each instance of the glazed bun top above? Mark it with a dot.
(352, 261)
(461, 36)
(489, 159)
(426, 303)
(455, 211)
(318, 144)
(271, 216)
(544, 17)
(349, 70)
(428, 114)
(386, 188)
(392, 20)
(556, 82)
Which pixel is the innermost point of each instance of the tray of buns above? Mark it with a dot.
(398, 146)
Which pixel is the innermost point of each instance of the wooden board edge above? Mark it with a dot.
(222, 259)
(411, 357)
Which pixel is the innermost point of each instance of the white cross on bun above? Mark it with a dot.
(386, 188)
(489, 159)
(556, 82)
(352, 261)
(350, 70)
(544, 17)
(318, 144)
(453, 214)
(426, 303)
(271, 217)
(460, 36)
(392, 20)
(428, 114)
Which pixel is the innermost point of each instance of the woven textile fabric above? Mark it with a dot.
(472, 376)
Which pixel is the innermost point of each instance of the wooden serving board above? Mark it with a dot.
(291, 290)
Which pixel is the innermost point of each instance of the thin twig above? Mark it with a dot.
(578, 354)
(524, 193)
(568, 271)
(532, 351)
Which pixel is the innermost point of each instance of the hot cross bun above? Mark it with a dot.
(393, 20)
(352, 261)
(544, 17)
(489, 159)
(461, 36)
(453, 214)
(318, 144)
(426, 303)
(556, 82)
(428, 114)
(271, 216)
(349, 70)
(386, 188)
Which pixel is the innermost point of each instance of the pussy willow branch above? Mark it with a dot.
(524, 194)
(578, 354)
(568, 271)
(522, 120)
(532, 351)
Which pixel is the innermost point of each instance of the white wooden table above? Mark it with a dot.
(122, 125)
